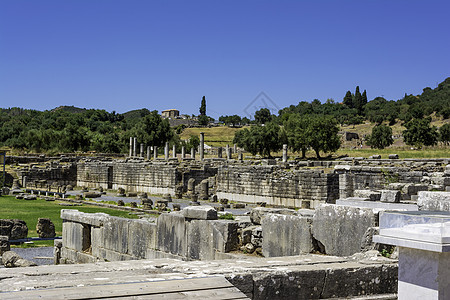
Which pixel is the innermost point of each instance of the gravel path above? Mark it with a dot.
(39, 255)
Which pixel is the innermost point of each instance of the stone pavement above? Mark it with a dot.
(295, 277)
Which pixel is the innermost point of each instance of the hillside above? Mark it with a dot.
(69, 109)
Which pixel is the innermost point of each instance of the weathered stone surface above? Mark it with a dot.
(45, 228)
(391, 196)
(11, 259)
(393, 156)
(286, 235)
(14, 229)
(4, 244)
(92, 194)
(171, 231)
(434, 201)
(366, 241)
(200, 212)
(141, 236)
(257, 213)
(340, 228)
(371, 195)
(29, 197)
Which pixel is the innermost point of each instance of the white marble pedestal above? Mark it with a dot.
(423, 239)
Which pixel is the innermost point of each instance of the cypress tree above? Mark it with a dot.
(203, 107)
(348, 99)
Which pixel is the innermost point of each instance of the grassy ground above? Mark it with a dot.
(31, 210)
(214, 136)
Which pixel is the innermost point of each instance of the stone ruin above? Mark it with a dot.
(321, 207)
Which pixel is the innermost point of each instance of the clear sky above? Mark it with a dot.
(128, 54)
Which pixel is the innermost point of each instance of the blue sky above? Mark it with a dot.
(128, 54)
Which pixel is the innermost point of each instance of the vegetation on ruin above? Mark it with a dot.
(31, 210)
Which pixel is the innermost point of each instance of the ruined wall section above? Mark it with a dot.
(277, 186)
(52, 174)
(140, 176)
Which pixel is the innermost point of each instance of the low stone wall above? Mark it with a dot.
(98, 237)
(52, 174)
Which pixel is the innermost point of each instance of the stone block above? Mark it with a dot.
(45, 228)
(74, 215)
(391, 196)
(200, 212)
(72, 235)
(371, 195)
(4, 244)
(434, 201)
(198, 240)
(171, 233)
(257, 213)
(141, 236)
(340, 228)
(225, 235)
(393, 156)
(115, 234)
(14, 229)
(286, 235)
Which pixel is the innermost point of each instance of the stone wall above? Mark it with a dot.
(52, 173)
(100, 237)
(277, 186)
(141, 176)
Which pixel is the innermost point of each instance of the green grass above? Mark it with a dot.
(214, 136)
(31, 210)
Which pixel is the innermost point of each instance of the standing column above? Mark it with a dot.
(174, 151)
(234, 149)
(134, 146)
(148, 152)
(155, 152)
(219, 152)
(228, 151)
(193, 153)
(285, 153)
(131, 146)
(202, 145)
(166, 151)
(183, 152)
(141, 152)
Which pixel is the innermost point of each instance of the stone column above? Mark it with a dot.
(141, 152)
(202, 145)
(228, 151)
(285, 153)
(235, 148)
(240, 156)
(166, 151)
(24, 181)
(131, 146)
(155, 152)
(193, 153)
(219, 152)
(174, 151)
(346, 188)
(183, 152)
(134, 146)
(148, 152)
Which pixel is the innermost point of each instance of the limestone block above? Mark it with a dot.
(371, 195)
(286, 235)
(11, 259)
(14, 229)
(340, 228)
(246, 234)
(434, 201)
(198, 240)
(4, 244)
(392, 196)
(72, 235)
(45, 228)
(171, 233)
(74, 215)
(115, 234)
(141, 236)
(200, 212)
(225, 235)
(257, 213)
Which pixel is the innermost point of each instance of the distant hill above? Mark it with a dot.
(70, 109)
(136, 114)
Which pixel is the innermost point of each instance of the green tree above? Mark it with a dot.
(348, 99)
(444, 134)
(296, 132)
(418, 133)
(203, 120)
(381, 137)
(260, 139)
(152, 130)
(263, 116)
(203, 107)
(322, 132)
